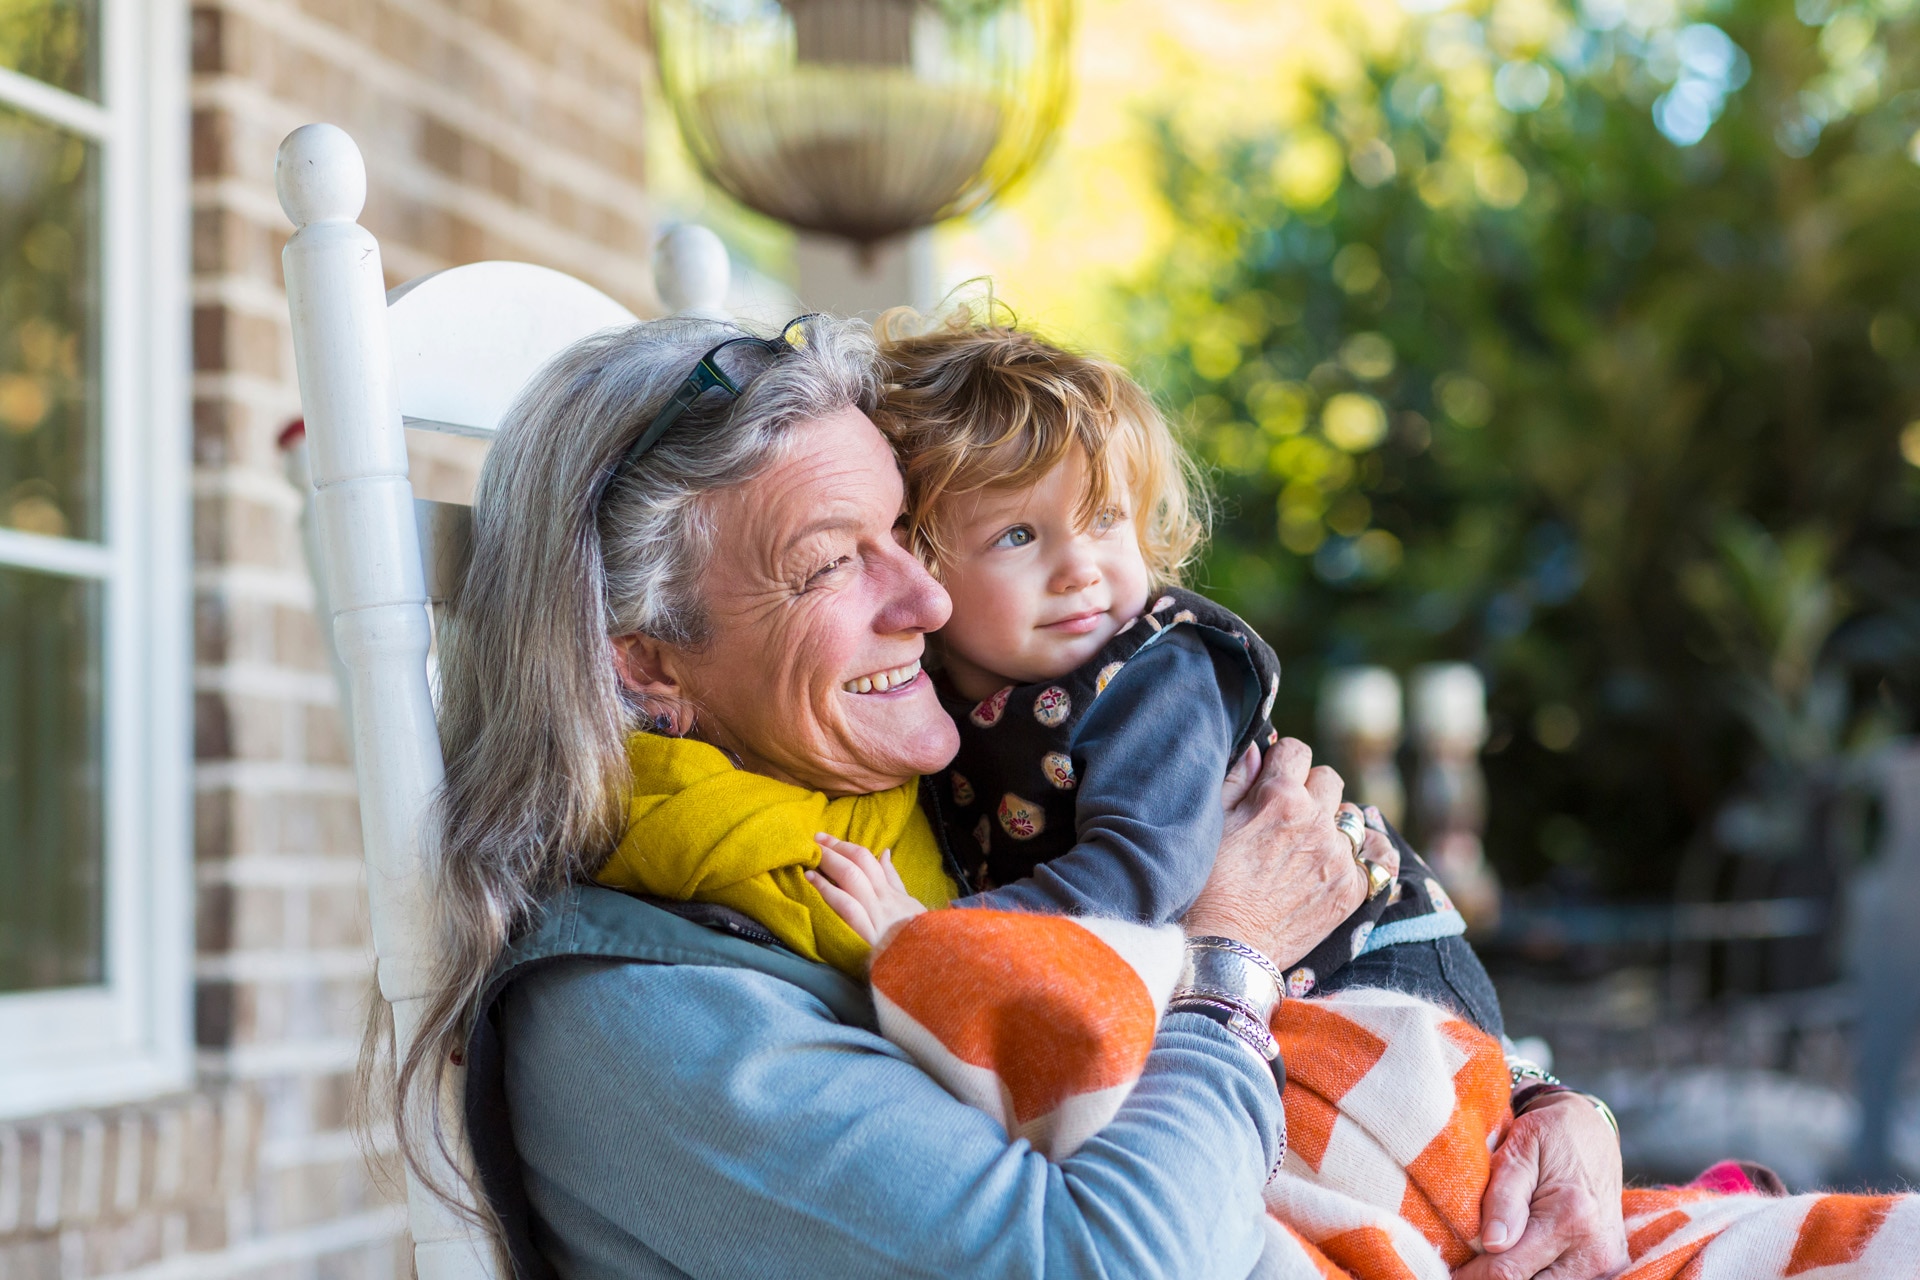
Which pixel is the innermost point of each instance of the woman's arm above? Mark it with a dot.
(717, 1122)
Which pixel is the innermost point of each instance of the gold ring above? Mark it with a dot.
(1377, 877)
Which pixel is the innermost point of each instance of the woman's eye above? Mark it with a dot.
(827, 568)
(1018, 536)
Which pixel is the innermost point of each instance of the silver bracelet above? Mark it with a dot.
(1232, 973)
(1253, 1034)
(1522, 1073)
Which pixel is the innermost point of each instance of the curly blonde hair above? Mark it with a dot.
(973, 402)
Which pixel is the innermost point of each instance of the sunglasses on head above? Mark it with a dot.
(707, 376)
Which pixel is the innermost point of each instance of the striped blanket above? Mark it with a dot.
(1393, 1108)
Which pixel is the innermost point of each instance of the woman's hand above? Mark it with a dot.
(1551, 1209)
(864, 890)
(1285, 875)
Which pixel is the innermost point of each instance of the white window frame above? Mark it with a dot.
(130, 1036)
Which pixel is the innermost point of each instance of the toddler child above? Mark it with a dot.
(1100, 705)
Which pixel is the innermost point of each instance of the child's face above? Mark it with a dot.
(1034, 593)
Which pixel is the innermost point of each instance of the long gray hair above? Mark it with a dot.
(533, 716)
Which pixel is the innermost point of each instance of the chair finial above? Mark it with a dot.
(320, 175)
(691, 271)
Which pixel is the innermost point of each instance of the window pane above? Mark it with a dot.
(49, 330)
(51, 853)
(52, 40)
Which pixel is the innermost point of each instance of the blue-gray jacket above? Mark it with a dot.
(651, 1096)
(681, 1101)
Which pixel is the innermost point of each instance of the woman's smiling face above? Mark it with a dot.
(818, 620)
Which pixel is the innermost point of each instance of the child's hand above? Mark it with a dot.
(866, 891)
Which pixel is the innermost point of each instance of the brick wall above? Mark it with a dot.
(492, 129)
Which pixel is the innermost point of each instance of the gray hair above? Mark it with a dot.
(533, 717)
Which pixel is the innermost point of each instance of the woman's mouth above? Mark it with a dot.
(883, 681)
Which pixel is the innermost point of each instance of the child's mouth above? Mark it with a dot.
(884, 681)
(1076, 625)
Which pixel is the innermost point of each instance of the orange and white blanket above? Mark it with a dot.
(1393, 1107)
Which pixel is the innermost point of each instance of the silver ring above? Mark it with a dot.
(1354, 828)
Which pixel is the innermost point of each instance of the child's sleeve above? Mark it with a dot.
(1150, 755)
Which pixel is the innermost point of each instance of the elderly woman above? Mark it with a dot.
(702, 541)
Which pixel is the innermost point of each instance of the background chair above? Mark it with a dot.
(446, 352)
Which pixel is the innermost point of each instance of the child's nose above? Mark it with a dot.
(1077, 572)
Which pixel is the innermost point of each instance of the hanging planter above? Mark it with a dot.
(864, 119)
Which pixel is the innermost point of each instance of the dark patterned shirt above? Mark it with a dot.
(1099, 792)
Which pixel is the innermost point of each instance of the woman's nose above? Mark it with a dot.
(915, 602)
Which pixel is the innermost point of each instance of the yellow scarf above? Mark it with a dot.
(700, 830)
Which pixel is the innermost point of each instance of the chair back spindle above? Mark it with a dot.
(364, 508)
(447, 352)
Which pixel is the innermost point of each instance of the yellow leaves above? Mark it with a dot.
(1891, 334)
(1222, 333)
(1353, 421)
(1500, 180)
(1556, 726)
(1308, 170)
(23, 403)
(1367, 356)
(1465, 400)
(1373, 163)
(1378, 553)
(1350, 516)
(1279, 407)
(1238, 448)
(49, 248)
(1356, 269)
(30, 507)
(1521, 28)
(1848, 36)
(1307, 460)
(1444, 184)
(1300, 532)
(1215, 354)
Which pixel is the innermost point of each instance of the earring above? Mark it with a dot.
(664, 726)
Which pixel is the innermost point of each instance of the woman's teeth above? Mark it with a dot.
(881, 681)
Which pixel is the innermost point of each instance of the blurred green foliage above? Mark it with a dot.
(1580, 344)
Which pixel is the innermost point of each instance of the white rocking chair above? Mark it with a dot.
(447, 352)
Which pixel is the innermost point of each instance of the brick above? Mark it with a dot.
(326, 740)
(211, 143)
(338, 916)
(205, 40)
(213, 825)
(215, 1006)
(296, 640)
(188, 1172)
(213, 918)
(228, 529)
(212, 727)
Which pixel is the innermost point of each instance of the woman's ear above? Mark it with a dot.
(645, 669)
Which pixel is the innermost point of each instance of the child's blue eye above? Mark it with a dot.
(1018, 536)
